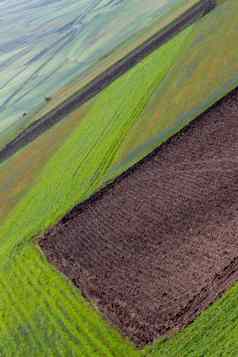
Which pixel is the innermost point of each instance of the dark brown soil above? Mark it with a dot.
(161, 244)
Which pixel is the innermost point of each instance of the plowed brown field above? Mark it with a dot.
(161, 244)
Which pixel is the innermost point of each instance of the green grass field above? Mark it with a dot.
(41, 313)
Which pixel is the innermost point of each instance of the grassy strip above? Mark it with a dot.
(43, 314)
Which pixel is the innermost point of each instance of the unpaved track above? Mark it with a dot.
(161, 244)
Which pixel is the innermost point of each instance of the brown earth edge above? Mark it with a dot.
(157, 247)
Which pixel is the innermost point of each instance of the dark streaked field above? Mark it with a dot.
(158, 247)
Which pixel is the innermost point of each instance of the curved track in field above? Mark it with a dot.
(106, 78)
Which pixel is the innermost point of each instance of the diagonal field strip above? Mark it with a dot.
(161, 245)
(51, 191)
(198, 10)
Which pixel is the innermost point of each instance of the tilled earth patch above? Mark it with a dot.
(161, 244)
